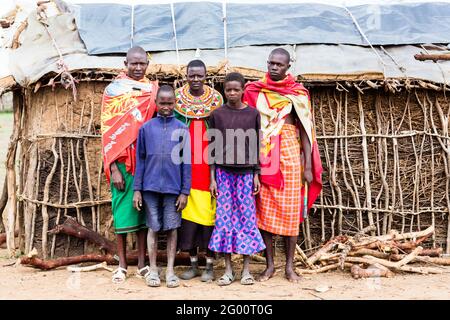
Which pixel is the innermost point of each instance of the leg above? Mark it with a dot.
(141, 244)
(122, 250)
(246, 277)
(228, 276)
(290, 251)
(152, 279)
(187, 236)
(270, 266)
(171, 279)
(142, 247)
(208, 273)
(120, 274)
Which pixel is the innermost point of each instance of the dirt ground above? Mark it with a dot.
(19, 282)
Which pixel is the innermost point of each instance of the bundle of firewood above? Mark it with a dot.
(374, 256)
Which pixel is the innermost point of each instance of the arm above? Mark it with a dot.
(140, 168)
(211, 161)
(257, 170)
(306, 146)
(117, 177)
(213, 183)
(186, 164)
(186, 173)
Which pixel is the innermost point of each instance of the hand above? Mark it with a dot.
(137, 200)
(307, 173)
(256, 184)
(181, 202)
(213, 188)
(117, 179)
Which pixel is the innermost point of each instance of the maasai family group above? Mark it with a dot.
(214, 176)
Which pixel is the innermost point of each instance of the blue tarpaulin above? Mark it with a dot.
(112, 28)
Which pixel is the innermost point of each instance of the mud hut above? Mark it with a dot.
(379, 93)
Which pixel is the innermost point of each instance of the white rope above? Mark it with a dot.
(365, 38)
(175, 33)
(132, 26)
(402, 69)
(225, 32)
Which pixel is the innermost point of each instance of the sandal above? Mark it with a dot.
(226, 279)
(190, 273)
(119, 275)
(207, 275)
(172, 281)
(152, 278)
(142, 273)
(247, 279)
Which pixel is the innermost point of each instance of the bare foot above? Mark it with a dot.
(266, 274)
(292, 276)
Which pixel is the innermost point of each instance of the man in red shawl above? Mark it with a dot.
(128, 102)
(290, 161)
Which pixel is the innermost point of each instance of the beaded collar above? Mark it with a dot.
(190, 106)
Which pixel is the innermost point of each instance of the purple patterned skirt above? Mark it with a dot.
(235, 230)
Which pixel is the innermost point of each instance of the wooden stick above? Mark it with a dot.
(45, 216)
(73, 228)
(29, 191)
(426, 259)
(330, 245)
(394, 235)
(303, 257)
(432, 57)
(369, 252)
(366, 163)
(74, 205)
(9, 213)
(102, 265)
(132, 259)
(322, 269)
(61, 191)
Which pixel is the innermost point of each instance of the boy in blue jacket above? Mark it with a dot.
(162, 181)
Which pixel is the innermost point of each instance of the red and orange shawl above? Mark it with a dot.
(126, 105)
(274, 100)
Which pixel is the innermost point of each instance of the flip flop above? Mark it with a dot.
(142, 273)
(247, 279)
(172, 281)
(226, 279)
(152, 279)
(119, 275)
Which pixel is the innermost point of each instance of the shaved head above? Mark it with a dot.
(136, 63)
(136, 51)
(283, 52)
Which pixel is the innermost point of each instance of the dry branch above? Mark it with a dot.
(330, 245)
(132, 259)
(94, 267)
(72, 228)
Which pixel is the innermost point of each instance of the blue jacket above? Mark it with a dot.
(163, 157)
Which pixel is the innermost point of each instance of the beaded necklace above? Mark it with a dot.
(191, 106)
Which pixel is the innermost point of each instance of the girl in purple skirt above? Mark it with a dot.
(234, 133)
